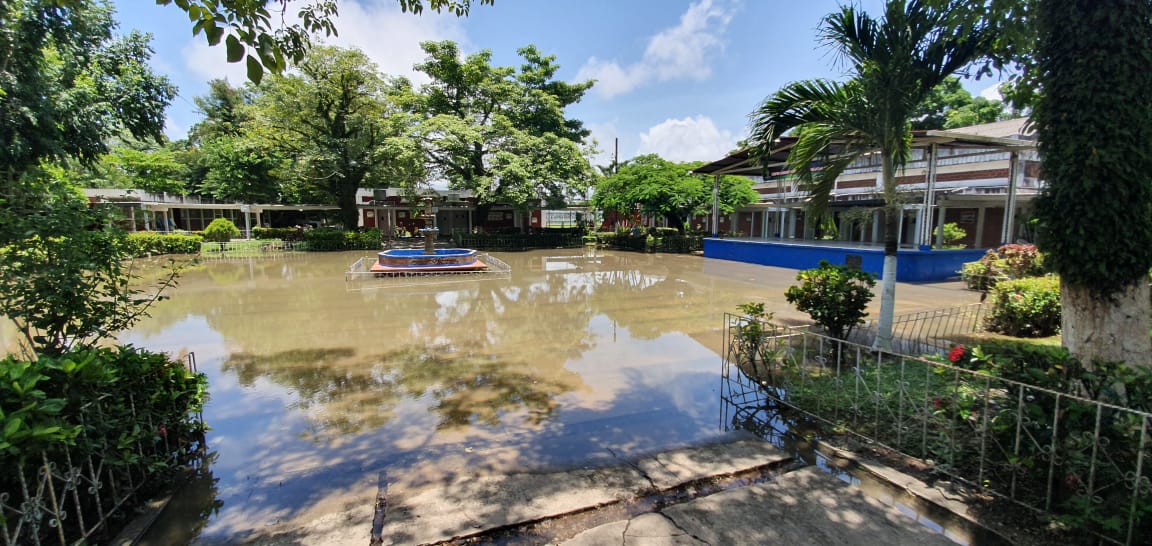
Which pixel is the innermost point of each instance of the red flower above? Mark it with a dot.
(163, 431)
(956, 354)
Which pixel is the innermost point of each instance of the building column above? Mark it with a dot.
(980, 217)
(925, 218)
(940, 228)
(1007, 232)
(875, 226)
(716, 206)
(132, 218)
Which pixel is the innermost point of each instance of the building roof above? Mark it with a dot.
(1003, 135)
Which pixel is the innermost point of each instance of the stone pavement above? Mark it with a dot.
(740, 492)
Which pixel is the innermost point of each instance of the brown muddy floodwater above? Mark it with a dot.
(319, 388)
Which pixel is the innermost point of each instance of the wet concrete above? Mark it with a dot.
(318, 387)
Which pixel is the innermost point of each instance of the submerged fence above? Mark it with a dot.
(64, 495)
(1088, 463)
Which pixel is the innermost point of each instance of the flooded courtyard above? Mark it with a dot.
(322, 390)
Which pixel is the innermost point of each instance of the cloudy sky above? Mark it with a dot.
(674, 77)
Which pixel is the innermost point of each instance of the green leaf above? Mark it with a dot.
(235, 49)
(12, 426)
(213, 32)
(255, 70)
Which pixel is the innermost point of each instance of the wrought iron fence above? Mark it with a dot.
(1085, 462)
(64, 495)
(249, 248)
(928, 332)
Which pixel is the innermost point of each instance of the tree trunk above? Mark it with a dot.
(892, 213)
(346, 200)
(1101, 330)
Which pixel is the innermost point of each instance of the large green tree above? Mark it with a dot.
(896, 61)
(337, 118)
(1094, 123)
(949, 105)
(662, 188)
(501, 132)
(67, 87)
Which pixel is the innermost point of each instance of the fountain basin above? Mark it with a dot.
(414, 260)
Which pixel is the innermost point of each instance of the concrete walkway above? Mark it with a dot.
(703, 495)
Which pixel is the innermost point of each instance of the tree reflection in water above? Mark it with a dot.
(348, 394)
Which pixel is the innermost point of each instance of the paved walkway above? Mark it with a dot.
(801, 506)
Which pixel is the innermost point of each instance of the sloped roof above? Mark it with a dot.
(1003, 135)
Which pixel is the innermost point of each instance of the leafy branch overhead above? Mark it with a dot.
(262, 38)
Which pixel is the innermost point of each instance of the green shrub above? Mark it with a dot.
(1007, 262)
(606, 238)
(325, 240)
(129, 412)
(666, 231)
(283, 234)
(221, 230)
(835, 296)
(66, 285)
(149, 243)
(953, 233)
(1025, 307)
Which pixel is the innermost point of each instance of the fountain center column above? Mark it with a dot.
(430, 229)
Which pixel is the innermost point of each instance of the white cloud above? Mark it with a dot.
(604, 134)
(209, 63)
(389, 37)
(680, 52)
(688, 139)
(992, 92)
(392, 38)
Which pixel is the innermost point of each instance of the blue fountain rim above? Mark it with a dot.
(417, 253)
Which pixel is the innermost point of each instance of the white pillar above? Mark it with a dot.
(925, 234)
(940, 227)
(132, 218)
(1007, 233)
(981, 216)
(716, 206)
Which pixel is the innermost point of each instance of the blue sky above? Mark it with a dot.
(675, 77)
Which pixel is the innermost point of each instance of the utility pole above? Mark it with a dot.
(616, 157)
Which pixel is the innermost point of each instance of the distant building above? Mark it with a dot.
(982, 178)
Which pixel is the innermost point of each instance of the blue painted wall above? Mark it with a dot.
(911, 265)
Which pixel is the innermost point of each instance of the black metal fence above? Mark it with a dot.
(1086, 463)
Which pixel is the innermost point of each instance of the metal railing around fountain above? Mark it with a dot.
(362, 270)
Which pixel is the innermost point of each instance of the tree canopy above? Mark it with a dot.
(949, 106)
(500, 132)
(662, 188)
(339, 121)
(69, 87)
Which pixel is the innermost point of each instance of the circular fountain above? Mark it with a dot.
(430, 259)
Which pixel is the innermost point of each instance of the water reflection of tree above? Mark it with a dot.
(351, 394)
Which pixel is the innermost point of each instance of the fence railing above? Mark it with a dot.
(65, 496)
(1088, 463)
(928, 332)
(248, 248)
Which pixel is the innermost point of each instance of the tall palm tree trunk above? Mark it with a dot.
(892, 213)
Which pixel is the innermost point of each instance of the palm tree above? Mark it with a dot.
(895, 64)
